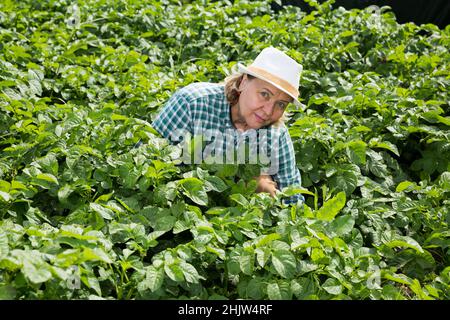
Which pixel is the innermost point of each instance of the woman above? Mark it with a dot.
(250, 103)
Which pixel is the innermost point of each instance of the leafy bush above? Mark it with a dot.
(86, 213)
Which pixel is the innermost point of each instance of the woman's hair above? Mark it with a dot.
(232, 93)
(232, 83)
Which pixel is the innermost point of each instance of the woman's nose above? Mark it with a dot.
(268, 107)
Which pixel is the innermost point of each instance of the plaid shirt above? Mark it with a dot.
(203, 107)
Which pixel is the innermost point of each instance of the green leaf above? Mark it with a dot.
(45, 180)
(34, 87)
(217, 211)
(301, 287)
(47, 177)
(306, 266)
(36, 273)
(154, 235)
(104, 212)
(319, 99)
(332, 286)
(332, 207)
(298, 241)
(347, 33)
(391, 292)
(342, 225)
(345, 178)
(49, 163)
(5, 186)
(377, 166)
(444, 180)
(190, 273)
(226, 170)
(247, 262)
(385, 145)
(284, 263)
(65, 192)
(357, 151)
(444, 120)
(193, 189)
(104, 197)
(417, 289)
(174, 272)
(129, 175)
(267, 239)
(4, 247)
(180, 226)
(92, 282)
(220, 253)
(399, 278)
(116, 116)
(6, 197)
(278, 2)
(262, 255)
(215, 183)
(165, 223)
(154, 278)
(255, 289)
(95, 254)
(35, 74)
(279, 291)
(402, 186)
(291, 191)
(274, 291)
(130, 204)
(239, 199)
(7, 83)
(77, 45)
(7, 292)
(404, 242)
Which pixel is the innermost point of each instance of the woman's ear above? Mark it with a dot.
(243, 82)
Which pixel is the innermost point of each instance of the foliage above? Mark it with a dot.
(86, 213)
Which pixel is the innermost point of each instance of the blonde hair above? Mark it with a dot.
(232, 93)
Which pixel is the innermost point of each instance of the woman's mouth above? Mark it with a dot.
(259, 119)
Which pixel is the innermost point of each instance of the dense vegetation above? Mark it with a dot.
(84, 213)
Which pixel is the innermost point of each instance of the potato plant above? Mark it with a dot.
(94, 205)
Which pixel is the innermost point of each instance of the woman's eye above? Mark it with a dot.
(281, 105)
(264, 94)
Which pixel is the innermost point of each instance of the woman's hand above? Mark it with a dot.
(266, 184)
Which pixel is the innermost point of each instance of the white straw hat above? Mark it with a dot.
(277, 68)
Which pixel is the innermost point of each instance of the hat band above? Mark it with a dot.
(291, 90)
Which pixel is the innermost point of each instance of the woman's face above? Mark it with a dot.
(260, 103)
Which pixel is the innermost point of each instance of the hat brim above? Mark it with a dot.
(243, 69)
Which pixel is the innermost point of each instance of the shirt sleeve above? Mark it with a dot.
(288, 173)
(174, 120)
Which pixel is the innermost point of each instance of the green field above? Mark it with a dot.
(86, 212)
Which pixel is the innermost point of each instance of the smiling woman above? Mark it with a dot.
(260, 103)
(249, 105)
